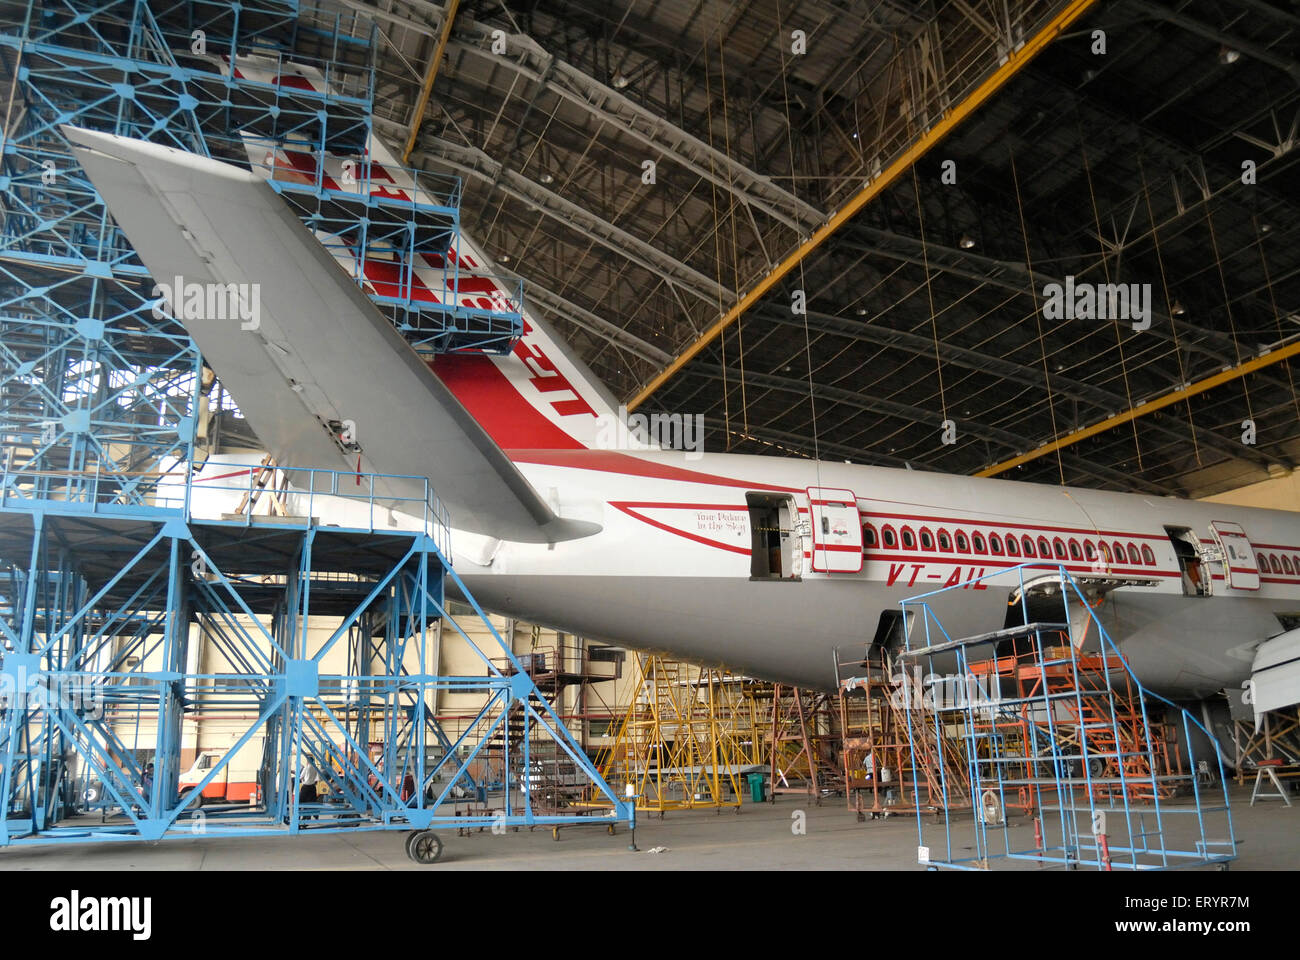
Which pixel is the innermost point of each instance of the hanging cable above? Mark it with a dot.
(717, 247)
(929, 292)
(1277, 316)
(1105, 269)
(731, 215)
(1169, 306)
(794, 190)
(1038, 315)
(1227, 305)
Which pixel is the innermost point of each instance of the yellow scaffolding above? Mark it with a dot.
(687, 737)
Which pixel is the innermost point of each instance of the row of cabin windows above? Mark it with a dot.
(1013, 546)
(1272, 563)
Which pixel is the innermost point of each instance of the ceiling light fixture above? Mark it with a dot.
(861, 311)
(966, 241)
(547, 178)
(620, 81)
(1178, 309)
(1228, 55)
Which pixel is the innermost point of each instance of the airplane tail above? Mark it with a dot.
(539, 396)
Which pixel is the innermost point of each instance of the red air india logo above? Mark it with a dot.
(547, 378)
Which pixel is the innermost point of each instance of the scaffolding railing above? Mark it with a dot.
(1068, 736)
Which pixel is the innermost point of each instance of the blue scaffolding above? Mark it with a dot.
(116, 577)
(1046, 718)
(105, 606)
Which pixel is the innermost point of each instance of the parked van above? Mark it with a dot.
(235, 782)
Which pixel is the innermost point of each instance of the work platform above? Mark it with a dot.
(1062, 754)
(1036, 742)
(305, 645)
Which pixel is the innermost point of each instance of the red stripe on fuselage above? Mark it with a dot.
(630, 508)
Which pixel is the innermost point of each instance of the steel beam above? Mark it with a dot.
(1150, 406)
(920, 345)
(432, 74)
(1015, 61)
(526, 58)
(902, 411)
(472, 162)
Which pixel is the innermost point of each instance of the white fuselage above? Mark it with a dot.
(672, 568)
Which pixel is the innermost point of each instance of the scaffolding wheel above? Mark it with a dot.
(611, 829)
(555, 833)
(1223, 867)
(424, 846)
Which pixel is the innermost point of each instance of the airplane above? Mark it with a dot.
(768, 565)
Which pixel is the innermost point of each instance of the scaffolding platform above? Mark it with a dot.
(318, 658)
(1066, 757)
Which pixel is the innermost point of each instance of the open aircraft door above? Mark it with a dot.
(836, 530)
(1239, 563)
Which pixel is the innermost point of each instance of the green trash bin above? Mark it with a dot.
(756, 792)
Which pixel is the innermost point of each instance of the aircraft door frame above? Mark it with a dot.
(1240, 567)
(836, 528)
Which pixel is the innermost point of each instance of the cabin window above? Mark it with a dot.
(927, 539)
(1134, 557)
(962, 545)
(888, 537)
(1013, 548)
(868, 535)
(909, 539)
(1044, 548)
(1089, 551)
(1119, 552)
(1059, 546)
(977, 540)
(995, 543)
(773, 542)
(1286, 565)
(1076, 552)
(1028, 544)
(1148, 555)
(1105, 550)
(945, 541)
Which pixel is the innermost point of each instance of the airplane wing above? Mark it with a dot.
(321, 350)
(1275, 674)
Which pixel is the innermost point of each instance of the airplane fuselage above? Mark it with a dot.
(673, 568)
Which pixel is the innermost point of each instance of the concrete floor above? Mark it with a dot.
(759, 838)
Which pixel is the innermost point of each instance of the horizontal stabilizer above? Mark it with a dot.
(1275, 675)
(318, 354)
